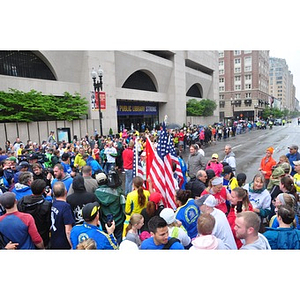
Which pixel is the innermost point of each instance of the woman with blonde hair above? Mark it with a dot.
(132, 230)
(135, 200)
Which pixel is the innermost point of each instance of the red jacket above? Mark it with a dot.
(127, 156)
(231, 220)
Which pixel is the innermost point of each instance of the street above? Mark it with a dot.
(250, 147)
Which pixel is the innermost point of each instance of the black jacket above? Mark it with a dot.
(40, 209)
(196, 186)
(79, 198)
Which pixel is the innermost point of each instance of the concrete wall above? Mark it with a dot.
(39, 131)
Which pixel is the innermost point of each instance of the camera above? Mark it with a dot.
(109, 219)
(47, 189)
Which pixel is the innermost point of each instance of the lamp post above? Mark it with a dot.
(98, 88)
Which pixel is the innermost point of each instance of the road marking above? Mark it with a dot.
(237, 146)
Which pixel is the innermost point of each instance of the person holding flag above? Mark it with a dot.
(160, 166)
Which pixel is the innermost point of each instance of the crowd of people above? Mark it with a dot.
(61, 195)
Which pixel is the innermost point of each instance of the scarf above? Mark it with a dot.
(252, 190)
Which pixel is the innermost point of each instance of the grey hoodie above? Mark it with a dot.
(260, 244)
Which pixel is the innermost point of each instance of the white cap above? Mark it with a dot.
(168, 215)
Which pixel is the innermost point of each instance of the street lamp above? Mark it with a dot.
(98, 88)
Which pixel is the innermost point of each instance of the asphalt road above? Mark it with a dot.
(250, 147)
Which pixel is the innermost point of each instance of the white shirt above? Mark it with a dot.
(222, 229)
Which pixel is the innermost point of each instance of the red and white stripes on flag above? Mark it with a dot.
(137, 166)
(160, 168)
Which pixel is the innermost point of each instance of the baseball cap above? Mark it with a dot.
(7, 199)
(208, 200)
(155, 197)
(168, 215)
(296, 163)
(33, 156)
(227, 170)
(293, 147)
(101, 178)
(90, 210)
(21, 165)
(215, 155)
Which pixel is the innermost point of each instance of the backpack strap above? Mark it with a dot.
(170, 242)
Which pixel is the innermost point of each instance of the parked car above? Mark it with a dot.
(278, 122)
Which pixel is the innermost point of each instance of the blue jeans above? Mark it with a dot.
(128, 181)
(108, 167)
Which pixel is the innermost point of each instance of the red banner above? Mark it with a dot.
(102, 100)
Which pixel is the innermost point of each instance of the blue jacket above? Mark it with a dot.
(283, 238)
(82, 232)
(188, 214)
(292, 158)
(21, 190)
(67, 180)
(149, 244)
(94, 165)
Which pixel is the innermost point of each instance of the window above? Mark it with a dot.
(248, 95)
(237, 78)
(24, 64)
(248, 60)
(247, 51)
(221, 53)
(248, 86)
(237, 61)
(248, 77)
(221, 79)
(221, 89)
(237, 52)
(221, 72)
(237, 70)
(237, 96)
(221, 62)
(248, 68)
(221, 97)
(237, 87)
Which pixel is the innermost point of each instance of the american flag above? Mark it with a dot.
(160, 166)
(137, 166)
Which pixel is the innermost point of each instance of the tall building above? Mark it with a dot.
(140, 87)
(243, 84)
(281, 84)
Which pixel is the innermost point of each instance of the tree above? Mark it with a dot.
(204, 107)
(18, 106)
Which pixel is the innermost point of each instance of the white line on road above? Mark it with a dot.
(237, 146)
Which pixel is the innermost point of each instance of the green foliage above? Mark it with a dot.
(275, 112)
(110, 131)
(203, 108)
(18, 106)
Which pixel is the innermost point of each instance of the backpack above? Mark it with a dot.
(170, 242)
(113, 179)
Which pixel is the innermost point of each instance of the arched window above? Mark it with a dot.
(139, 80)
(195, 91)
(24, 64)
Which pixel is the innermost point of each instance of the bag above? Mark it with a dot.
(170, 242)
(113, 179)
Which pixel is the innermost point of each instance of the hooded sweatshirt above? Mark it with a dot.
(79, 198)
(260, 244)
(40, 209)
(21, 190)
(230, 159)
(207, 242)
